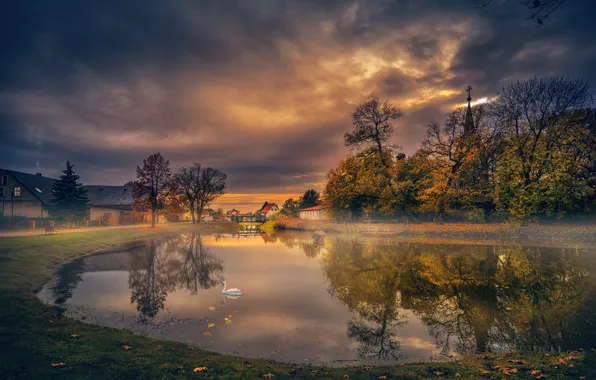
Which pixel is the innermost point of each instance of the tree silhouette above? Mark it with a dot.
(70, 197)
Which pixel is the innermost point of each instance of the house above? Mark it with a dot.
(113, 205)
(268, 209)
(208, 214)
(314, 213)
(23, 194)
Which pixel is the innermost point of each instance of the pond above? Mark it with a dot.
(342, 301)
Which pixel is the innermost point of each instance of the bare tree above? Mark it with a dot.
(372, 126)
(154, 180)
(212, 185)
(188, 183)
(539, 9)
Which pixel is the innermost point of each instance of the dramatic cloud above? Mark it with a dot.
(262, 90)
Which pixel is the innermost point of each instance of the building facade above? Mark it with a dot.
(314, 213)
(24, 195)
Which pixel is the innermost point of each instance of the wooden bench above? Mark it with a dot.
(50, 230)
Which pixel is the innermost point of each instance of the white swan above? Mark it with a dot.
(231, 292)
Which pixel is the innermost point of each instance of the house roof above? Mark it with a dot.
(109, 195)
(266, 208)
(232, 211)
(38, 185)
(314, 208)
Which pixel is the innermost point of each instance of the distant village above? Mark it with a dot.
(28, 197)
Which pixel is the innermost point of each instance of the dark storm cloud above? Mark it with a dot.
(261, 89)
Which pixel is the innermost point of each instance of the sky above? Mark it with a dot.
(260, 89)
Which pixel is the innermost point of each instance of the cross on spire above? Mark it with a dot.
(469, 89)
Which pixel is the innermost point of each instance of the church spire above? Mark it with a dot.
(469, 122)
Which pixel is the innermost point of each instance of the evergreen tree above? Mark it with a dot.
(70, 197)
(309, 199)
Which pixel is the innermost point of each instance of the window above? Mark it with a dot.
(1, 192)
(4, 181)
(17, 191)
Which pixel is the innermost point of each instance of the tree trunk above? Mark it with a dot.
(199, 213)
(153, 208)
(192, 212)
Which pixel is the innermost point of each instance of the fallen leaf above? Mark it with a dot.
(571, 366)
(228, 321)
(535, 372)
(439, 373)
(207, 333)
(230, 316)
(547, 355)
(199, 369)
(211, 308)
(268, 376)
(74, 335)
(126, 347)
(457, 374)
(382, 377)
(57, 364)
(346, 376)
(211, 325)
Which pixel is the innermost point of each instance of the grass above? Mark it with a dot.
(34, 335)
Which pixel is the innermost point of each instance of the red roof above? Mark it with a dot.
(267, 207)
(315, 208)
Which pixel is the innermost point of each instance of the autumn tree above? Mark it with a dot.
(212, 185)
(70, 197)
(461, 157)
(543, 119)
(359, 185)
(153, 180)
(372, 126)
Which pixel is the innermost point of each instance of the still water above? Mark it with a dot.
(340, 301)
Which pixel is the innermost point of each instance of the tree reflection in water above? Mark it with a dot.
(164, 265)
(471, 298)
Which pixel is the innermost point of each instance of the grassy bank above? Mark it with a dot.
(559, 235)
(35, 336)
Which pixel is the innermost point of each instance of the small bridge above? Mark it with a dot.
(257, 218)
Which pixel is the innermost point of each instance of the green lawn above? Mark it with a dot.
(33, 335)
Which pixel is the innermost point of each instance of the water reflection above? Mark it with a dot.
(471, 298)
(383, 300)
(180, 262)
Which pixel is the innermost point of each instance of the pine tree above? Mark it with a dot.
(70, 197)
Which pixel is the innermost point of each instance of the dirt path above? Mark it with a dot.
(41, 231)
